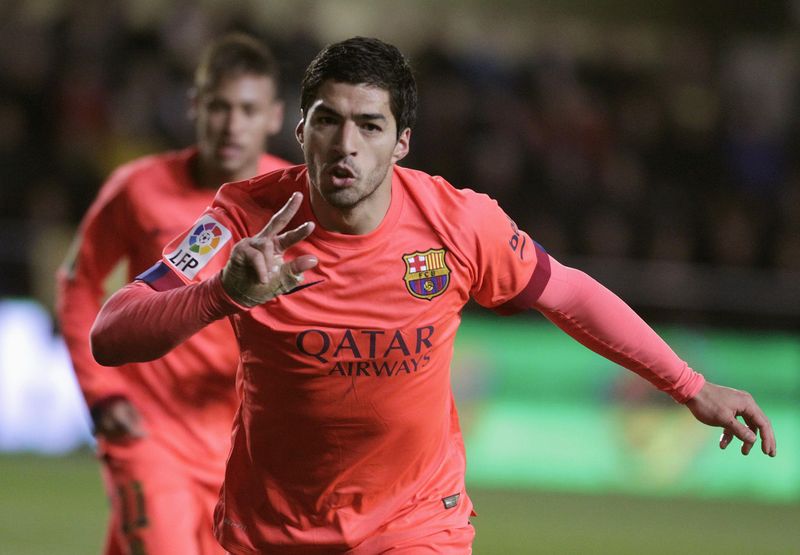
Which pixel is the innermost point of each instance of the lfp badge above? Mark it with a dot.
(427, 275)
(205, 238)
(196, 249)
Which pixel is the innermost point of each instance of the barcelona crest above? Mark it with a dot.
(427, 275)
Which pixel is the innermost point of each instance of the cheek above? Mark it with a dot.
(211, 124)
(382, 155)
(203, 130)
(254, 128)
(313, 145)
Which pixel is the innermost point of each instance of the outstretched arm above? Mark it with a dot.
(601, 321)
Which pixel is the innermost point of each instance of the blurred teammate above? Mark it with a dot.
(347, 438)
(163, 427)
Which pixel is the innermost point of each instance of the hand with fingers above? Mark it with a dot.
(117, 420)
(256, 271)
(722, 406)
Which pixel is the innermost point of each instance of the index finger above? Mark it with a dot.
(282, 217)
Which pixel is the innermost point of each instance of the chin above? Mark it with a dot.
(230, 167)
(341, 198)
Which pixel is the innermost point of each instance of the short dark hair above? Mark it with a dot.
(231, 54)
(368, 61)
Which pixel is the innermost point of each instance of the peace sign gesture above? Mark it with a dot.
(256, 271)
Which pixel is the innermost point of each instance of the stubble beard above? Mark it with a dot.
(347, 198)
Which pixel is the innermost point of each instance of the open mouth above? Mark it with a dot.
(342, 175)
(229, 149)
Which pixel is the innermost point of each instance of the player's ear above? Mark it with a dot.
(298, 131)
(402, 146)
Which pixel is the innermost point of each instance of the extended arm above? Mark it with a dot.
(601, 321)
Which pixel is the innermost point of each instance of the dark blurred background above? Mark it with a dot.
(651, 143)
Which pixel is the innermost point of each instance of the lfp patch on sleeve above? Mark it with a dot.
(206, 239)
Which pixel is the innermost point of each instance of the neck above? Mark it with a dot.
(208, 176)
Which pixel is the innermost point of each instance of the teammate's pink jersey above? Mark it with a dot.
(187, 398)
(347, 427)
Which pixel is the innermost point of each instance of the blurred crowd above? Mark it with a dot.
(657, 145)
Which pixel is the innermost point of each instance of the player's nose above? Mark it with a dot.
(235, 122)
(346, 139)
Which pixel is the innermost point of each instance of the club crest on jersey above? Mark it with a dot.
(427, 275)
(199, 246)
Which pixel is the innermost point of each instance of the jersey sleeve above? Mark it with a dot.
(139, 324)
(601, 321)
(197, 254)
(504, 258)
(185, 293)
(100, 244)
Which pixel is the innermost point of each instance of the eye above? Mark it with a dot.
(216, 106)
(326, 120)
(371, 128)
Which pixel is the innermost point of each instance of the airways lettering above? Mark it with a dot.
(373, 368)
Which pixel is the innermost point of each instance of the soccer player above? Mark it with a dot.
(347, 437)
(163, 427)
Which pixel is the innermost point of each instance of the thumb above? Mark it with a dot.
(292, 272)
(302, 263)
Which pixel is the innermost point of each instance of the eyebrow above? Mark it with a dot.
(367, 116)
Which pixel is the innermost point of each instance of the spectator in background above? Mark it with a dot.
(163, 427)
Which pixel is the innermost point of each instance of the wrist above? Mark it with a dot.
(699, 397)
(228, 296)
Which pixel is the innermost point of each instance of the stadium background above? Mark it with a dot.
(650, 143)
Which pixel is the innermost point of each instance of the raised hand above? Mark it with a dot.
(721, 406)
(256, 271)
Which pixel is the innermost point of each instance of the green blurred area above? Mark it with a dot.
(55, 506)
(541, 411)
(528, 358)
(51, 505)
(567, 453)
